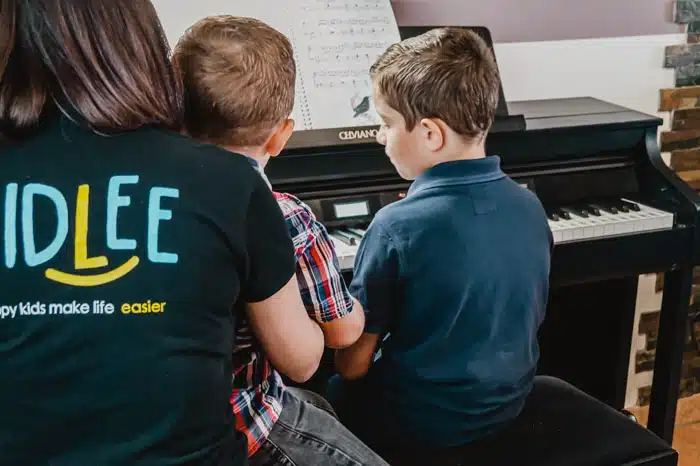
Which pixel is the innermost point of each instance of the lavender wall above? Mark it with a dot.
(541, 20)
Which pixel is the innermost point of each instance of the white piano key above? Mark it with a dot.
(357, 231)
(346, 253)
(345, 237)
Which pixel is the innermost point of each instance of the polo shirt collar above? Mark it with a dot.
(459, 172)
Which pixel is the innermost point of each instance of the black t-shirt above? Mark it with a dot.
(123, 263)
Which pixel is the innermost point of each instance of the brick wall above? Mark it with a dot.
(649, 326)
(682, 141)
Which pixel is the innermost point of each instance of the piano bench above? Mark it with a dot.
(559, 426)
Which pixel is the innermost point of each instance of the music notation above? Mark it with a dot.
(337, 22)
(337, 42)
(344, 6)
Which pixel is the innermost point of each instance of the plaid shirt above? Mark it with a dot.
(257, 386)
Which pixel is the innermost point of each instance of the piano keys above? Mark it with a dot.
(588, 221)
(606, 219)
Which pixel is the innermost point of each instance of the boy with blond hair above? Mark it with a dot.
(239, 76)
(454, 277)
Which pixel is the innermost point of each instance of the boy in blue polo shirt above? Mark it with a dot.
(454, 277)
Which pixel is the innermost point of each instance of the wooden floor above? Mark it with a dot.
(687, 433)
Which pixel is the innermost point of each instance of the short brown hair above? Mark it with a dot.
(239, 76)
(102, 62)
(445, 73)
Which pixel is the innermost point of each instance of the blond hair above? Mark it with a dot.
(239, 76)
(445, 73)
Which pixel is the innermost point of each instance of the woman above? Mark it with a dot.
(128, 251)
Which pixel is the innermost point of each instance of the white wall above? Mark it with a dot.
(626, 71)
(540, 20)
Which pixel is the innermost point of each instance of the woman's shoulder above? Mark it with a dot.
(183, 145)
(182, 153)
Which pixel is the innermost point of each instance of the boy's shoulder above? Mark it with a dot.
(302, 224)
(292, 206)
(398, 214)
(394, 221)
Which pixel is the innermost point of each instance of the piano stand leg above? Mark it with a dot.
(669, 352)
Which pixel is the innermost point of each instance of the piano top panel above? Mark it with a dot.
(569, 113)
(545, 108)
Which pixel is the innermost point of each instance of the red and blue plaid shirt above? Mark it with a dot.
(257, 386)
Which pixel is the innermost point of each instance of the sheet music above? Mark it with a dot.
(335, 43)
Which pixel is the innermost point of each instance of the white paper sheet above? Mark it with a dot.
(335, 43)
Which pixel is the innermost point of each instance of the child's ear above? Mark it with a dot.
(279, 138)
(433, 132)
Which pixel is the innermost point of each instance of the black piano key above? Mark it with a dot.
(563, 214)
(620, 206)
(576, 211)
(553, 216)
(591, 210)
(605, 207)
(630, 205)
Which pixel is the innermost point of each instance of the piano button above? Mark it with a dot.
(553, 216)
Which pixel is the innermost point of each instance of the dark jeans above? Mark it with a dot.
(351, 400)
(309, 433)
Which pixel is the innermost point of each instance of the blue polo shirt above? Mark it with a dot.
(455, 279)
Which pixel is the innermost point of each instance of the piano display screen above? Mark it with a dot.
(351, 209)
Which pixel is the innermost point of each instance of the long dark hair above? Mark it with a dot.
(104, 62)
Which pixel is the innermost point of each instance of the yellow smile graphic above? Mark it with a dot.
(92, 280)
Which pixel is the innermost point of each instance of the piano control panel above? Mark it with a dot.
(348, 211)
(346, 219)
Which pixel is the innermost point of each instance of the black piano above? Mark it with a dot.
(615, 209)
